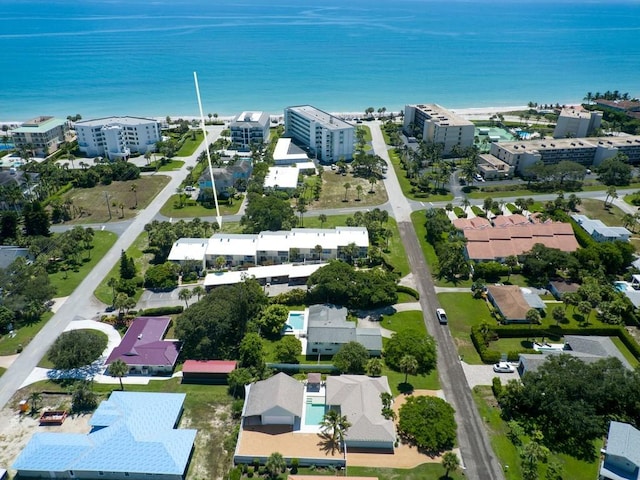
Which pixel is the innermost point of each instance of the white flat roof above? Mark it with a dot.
(282, 177)
(282, 270)
(96, 122)
(326, 119)
(232, 244)
(188, 249)
(285, 151)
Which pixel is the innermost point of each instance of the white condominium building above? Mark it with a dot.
(327, 137)
(438, 125)
(249, 128)
(269, 248)
(576, 123)
(117, 137)
(41, 134)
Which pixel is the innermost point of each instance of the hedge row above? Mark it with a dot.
(153, 312)
(583, 238)
(492, 356)
(408, 291)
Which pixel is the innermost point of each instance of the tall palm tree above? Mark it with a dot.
(198, 291)
(335, 426)
(358, 191)
(275, 465)
(409, 366)
(450, 463)
(185, 295)
(35, 398)
(346, 186)
(134, 189)
(118, 369)
(322, 218)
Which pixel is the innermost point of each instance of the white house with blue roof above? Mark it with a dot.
(622, 453)
(133, 436)
(601, 232)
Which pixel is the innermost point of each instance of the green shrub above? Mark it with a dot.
(157, 311)
(296, 296)
(408, 291)
(496, 386)
(583, 238)
(250, 472)
(295, 463)
(235, 473)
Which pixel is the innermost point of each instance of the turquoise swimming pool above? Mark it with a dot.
(295, 321)
(314, 413)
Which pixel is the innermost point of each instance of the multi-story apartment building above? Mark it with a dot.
(438, 125)
(117, 137)
(41, 134)
(249, 128)
(577, 123)
(585, 151)
(326, 136)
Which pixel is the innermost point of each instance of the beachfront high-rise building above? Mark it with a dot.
(326, 136)
(41, 134)
(117, 137)
(438, 125)
(577, 123)
(249, 128)
(588, 152)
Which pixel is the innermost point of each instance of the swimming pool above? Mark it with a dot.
(314, 412)
(295, 321)
(622, 286)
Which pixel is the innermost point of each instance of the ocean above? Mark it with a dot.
(137, 57)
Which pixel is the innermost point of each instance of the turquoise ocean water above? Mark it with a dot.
(106, 57)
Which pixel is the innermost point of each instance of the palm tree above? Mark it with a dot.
(612, 194)
(185, 295)
(629, 220)
(198, 291)
(335, 426)
(118, 369)
(450, 463)
(35, 398)
(112, 282)
(359, 192)
(275, 465)
(318, 251)
(134, 189)
(372, 182)
(322, 218)
(346, 186)
(301, 208)
(409, 366)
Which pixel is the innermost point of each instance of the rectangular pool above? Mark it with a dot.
(296, 321)
(314, 413)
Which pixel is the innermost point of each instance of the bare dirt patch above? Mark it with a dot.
(16, 429)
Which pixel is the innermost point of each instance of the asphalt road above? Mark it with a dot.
(477, 455)
(82, 305)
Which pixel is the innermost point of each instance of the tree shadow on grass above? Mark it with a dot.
(405, 388)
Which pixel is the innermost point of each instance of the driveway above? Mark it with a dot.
(484, 375)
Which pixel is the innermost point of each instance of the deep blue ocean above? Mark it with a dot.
(137, 57)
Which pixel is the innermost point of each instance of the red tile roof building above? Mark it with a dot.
(207, 371)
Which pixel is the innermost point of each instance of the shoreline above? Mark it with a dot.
(471, 113)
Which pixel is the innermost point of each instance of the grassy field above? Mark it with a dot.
(334, 193)
(405, 183)
(190, 145)
(9, 345)
(418, 220)
(103, 292)
(122, 199)
(169, 166)
(611, 216)
(66, 282)
(507, 453)
(464, 312)
(194, 209)
(522, 191)
(427, 471)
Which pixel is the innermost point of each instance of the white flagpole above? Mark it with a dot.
(204, 132)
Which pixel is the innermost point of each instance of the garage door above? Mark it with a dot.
(277, 420)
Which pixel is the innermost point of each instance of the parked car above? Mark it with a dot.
(190, 188)
(442, 316)
(503, 367)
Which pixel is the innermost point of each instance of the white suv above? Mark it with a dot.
(442, 315)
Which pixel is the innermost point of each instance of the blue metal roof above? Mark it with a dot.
(132, 432)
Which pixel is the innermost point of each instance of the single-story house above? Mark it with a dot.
(622, 453)
(328, 330)
(133, 436)
(189, 250)
(358, 398)
(589, 349)
(143, 349)
(9, 253)
(511, 302)
(558, 288)
(274, 401)
(601, 232)
(207, 371)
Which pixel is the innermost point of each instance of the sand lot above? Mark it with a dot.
(16, 429)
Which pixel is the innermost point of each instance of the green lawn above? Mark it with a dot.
(66, 282)
(405, 183)
(507, 453)
(196, 209)
(103, 292)
(406, 298)
(190, 145)
(418, 220)
(367, 132)
(426, 471)
(9, 346)
(2, 370)
(169, 166)
(408, 321)
(610, 216)
(335, 195)
(633, 361)
(464, 312)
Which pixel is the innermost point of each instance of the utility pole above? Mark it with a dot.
(106, 196)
